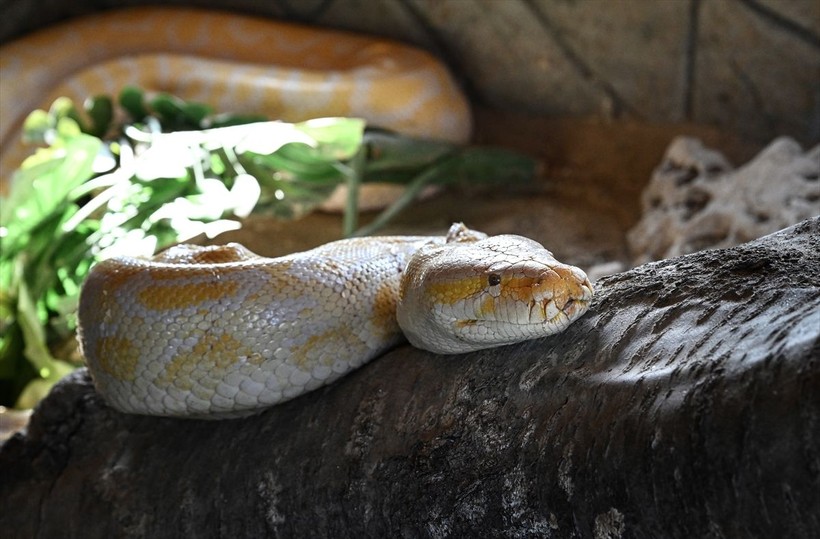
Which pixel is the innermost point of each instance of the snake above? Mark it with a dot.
(235, 63)
(216, 332)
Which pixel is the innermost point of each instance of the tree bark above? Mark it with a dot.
(684, 404)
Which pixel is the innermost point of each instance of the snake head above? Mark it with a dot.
(460, 297)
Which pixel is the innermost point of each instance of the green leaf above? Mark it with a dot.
(36, 127)
(388, 153)
(492, 165)
(301, 162)
(11, 348)
(31, 325)
(100, 110)
(196, 113)
(69, 127)
(179, 114)
(229, 120)
(132, 99)
(62, 107)
(170, 159)
(39, 189)
(168, 107)
(337, 139)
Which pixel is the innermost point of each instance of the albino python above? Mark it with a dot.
(235, 63)
(219, 332)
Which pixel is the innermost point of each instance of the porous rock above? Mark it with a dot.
(696, 200)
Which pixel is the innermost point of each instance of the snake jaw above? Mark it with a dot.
(561, 296)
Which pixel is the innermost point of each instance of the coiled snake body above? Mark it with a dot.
(219, 332)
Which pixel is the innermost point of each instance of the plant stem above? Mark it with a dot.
(412, 190)
(353, 174)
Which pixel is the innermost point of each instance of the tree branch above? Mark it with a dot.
(683, 404)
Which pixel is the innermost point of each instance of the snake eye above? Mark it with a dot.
(494, 279)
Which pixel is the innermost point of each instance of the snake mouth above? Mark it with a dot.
(549, 311)
(574, 307)
(543, 314)
(571, 310)
(513, 331)
(568, 306)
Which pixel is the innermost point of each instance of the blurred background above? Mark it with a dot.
(745, 66)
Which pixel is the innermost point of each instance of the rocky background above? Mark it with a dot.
(751, 67)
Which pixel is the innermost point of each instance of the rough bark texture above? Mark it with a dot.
(684, 404)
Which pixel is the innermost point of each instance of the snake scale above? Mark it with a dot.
(219, 332)
(216, 332)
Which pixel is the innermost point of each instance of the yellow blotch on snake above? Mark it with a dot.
(451, 291)
(487, 306)
(211, 353)
(179, 296)
(384, 310)
(312, 346)
(118, 357)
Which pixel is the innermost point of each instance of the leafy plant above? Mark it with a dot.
(173, 170)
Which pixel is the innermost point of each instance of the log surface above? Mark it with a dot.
(683, 404)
